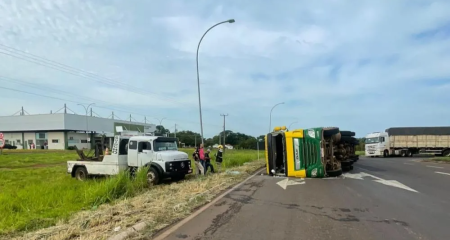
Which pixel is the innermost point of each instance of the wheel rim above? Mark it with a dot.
(151, 177)
(81, 175)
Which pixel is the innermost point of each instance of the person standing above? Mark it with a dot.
(208, 161)
(201, 153)
(219, 158)
(196, 156)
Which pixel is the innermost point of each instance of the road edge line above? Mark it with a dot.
(141, 225)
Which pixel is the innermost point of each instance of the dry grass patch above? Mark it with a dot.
(159, 207)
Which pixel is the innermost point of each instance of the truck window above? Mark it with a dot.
(144, 146)
(165, 145)
(123, 147)
(381, 139)
(132, 145)
(372, 140)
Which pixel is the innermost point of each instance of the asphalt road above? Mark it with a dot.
(392, 198)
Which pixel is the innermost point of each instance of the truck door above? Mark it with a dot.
(132, 153)
(145, 153)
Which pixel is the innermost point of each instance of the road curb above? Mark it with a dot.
(141, 225)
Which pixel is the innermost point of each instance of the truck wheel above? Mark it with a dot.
(347, 133)
(446, 153)
(409, 153)
(152, 177)
(403, 154)
(334, 173)
(81, 173)
(385, 153)
(330, 131)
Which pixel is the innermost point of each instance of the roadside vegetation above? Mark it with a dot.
(36, 192)
(438, 159)
(360, 153)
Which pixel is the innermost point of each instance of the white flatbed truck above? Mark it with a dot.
(160, 154)
(407, 141)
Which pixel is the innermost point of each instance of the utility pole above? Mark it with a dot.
(175, 130)
(224, 135)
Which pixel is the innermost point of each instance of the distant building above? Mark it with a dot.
(61, 130)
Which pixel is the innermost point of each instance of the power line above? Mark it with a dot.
(77, 72)
(67, 100)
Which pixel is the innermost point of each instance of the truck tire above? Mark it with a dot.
(409, 153)
(334, 173)
(81, 173)
(446, 153)
(403, 153)
(153, 176)
(348, 133)
(330, 131)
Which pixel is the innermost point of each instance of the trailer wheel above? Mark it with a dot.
(81, 173)
(409, 153)
(446, 153)
(152, 176)
(403, 154)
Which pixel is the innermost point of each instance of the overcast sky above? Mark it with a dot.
(360, 65)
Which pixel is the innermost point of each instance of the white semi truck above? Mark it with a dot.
(130, 152)
(406, 141)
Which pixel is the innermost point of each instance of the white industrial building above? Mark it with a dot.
(61, 130)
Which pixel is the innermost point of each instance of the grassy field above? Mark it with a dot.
(360, 153)
(36, 191)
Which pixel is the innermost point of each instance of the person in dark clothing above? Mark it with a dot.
(196, 156)
(219, 158)
(208, 162)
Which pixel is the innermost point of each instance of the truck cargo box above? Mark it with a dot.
(404, 131)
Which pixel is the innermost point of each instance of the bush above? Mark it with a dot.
(71, 148)
(9, 146)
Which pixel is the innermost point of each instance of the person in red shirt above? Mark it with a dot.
(201, 153)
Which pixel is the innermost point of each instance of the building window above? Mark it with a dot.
(55, 140)
(18, 141)
(70, 138)
(83, 140)
(30, 141)
(6, 141)
(41, 135)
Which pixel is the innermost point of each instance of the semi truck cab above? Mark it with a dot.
(377, 144)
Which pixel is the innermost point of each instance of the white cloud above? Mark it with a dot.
(352, 64)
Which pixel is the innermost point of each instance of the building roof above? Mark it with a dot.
(67, 122)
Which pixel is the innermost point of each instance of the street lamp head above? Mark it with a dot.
(231, 21)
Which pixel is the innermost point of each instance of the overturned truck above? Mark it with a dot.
(315, 152)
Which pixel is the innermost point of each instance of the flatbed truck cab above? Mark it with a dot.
(302, 152)
(159, 154)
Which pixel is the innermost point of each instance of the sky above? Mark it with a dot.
(359, 65)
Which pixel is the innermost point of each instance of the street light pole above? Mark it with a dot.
(160, 121)
(270, 122)
(198, 76)
(291, 124)
(87, 121)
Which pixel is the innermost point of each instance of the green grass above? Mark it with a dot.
(360, 153)
(36, 191)
(441, 159)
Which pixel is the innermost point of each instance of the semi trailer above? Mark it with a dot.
(315, 152)
(407, 141)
